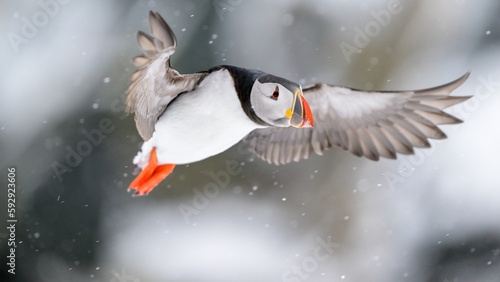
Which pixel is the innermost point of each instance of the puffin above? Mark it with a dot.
(185, 118)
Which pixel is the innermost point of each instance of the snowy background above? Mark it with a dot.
(434, 216)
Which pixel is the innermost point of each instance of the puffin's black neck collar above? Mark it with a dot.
(243, 82)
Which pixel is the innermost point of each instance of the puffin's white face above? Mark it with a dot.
(274, 102)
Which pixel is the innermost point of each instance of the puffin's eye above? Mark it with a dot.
(276, 94)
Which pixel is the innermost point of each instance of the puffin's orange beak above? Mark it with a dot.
(301, 112)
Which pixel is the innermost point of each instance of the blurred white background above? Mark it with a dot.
(433, 216)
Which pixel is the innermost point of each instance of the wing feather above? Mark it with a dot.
(369, 148)
(155, 84)
(369, 124)
(384, 146)
(146, 44)
(401, 143)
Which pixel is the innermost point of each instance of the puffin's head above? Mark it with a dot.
(279, 102)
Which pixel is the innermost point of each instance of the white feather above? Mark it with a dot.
(199, 124)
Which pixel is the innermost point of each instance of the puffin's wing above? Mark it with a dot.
(155, 84)
(370, 124)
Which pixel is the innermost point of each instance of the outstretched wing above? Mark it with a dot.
(370, 124)
(155, 84)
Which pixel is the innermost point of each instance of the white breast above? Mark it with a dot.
(199, 124)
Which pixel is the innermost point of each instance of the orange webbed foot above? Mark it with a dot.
(151, 175)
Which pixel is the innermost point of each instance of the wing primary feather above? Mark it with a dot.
(315, 142)
(445, 89)
(140, 61)
(415, 140)
(161, 30)
(282, 154)
(447, 102)
(384, 146)
(276, 153)
(439, 118)
(401, 121)
(135, 75)
(334, 137)
(344, 139)
(298, 147)
(401, 144)
(160, 39)
(430, 131)
(158, 44)
(290, 146)
(146, 43)
(409, 114)
(416, 106)
(354, 144)
(369, 149)
(440, 102)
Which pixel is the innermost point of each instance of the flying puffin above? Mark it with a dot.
(184, 118)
